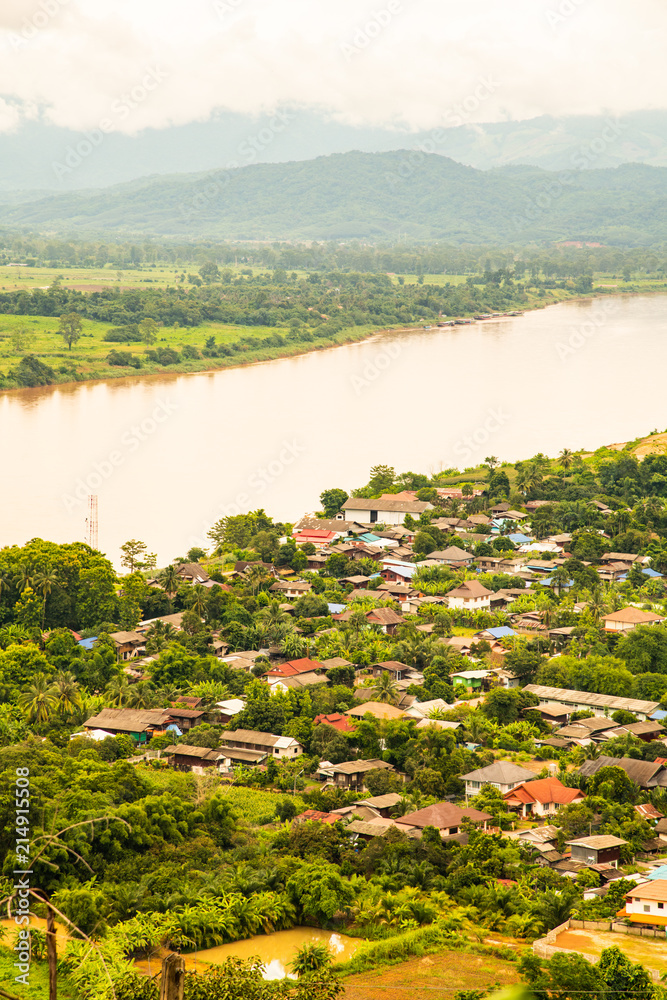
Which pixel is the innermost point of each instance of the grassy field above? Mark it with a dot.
(89, 354)
(438, 975)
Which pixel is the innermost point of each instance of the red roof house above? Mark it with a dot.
(336, 721)
(542, 797)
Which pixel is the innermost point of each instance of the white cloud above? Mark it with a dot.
(401, 62)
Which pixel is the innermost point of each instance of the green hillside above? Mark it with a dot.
(373, 196)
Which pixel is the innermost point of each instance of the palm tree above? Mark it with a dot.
(141, 695)
(170, 580)
(386, 689)
(118, 691)
(23, 578)
(257, 576)
(311, 957)
(39, 700)
(274, 620)
(293, 644)
(13, 635)
(66, 690)
(158, 636)
(199, 595)
(566, 458)
(44, 583)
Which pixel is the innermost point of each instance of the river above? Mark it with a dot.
(170, 455)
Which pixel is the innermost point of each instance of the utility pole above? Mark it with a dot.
(92, 522)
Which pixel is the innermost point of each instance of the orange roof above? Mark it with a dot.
(650, 890)
(545, 790)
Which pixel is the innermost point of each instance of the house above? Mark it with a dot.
(628, 618)
(386, 619)
(382, 804)
(453, 556)
(661, 829)
(226, 710)
(644, 731)
(192, 573)
(128, 644)
(397, 671)
(446, 817)
(470, 596)
(583, 731)
(292, 668)
(184, 757)
(275, 746)
(316, 536)
(140, 724)
(336, 720)
(541, 797)
(502, 775)
(315, 816)
(291, 589)
(283, 684)
(645, 773)
(352, 774)
(395, 572)
(553, 713)
(186, 718)
(377, 709)
(472, 680)
(579, 701)
(598, 850)
(174, 620)
(646, 904)
(385, 510)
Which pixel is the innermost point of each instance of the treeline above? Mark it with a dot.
(400, 258)
(332, 301)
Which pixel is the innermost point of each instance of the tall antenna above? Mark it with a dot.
(92, 521)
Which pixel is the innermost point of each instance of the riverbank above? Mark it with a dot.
(90, 362)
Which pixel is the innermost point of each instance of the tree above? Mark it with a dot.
(45, 581)
(70, 328)
(170, 580)
(613, 784)
(266, 544)
(148, 329)
(381, 478)
(39, 700)
(311, 957)
(332, 501)
(319, 891)
(132, 553)
(623, 978)
(385, 688)
(209, 272)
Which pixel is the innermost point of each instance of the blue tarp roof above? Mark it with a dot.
(659, 715)
(500, 631)
(652, 573)
(336, 609)
(519, 539)
(368, 536)
(87, 643)
(657, 873)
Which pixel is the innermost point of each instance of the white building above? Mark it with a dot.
(385, 510)
(470, 596)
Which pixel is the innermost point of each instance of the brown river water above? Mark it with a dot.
(275, 950)
(170, 455)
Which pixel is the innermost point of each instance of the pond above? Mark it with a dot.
(275, 950)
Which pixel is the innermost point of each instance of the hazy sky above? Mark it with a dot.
(420, 63)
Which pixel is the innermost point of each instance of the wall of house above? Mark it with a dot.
(647, 908)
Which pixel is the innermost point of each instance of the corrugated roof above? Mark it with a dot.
(503, 772)
(567, 695)
(597, 843)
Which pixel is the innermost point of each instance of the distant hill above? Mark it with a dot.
(29, 155)
(373, 196)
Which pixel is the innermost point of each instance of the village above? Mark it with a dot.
(549, 755)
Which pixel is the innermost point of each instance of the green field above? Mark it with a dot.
(90, 353)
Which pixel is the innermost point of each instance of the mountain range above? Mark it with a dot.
(369, 196)
(30, 156)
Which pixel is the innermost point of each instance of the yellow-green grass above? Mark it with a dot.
(90, 352)
(441, 974)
